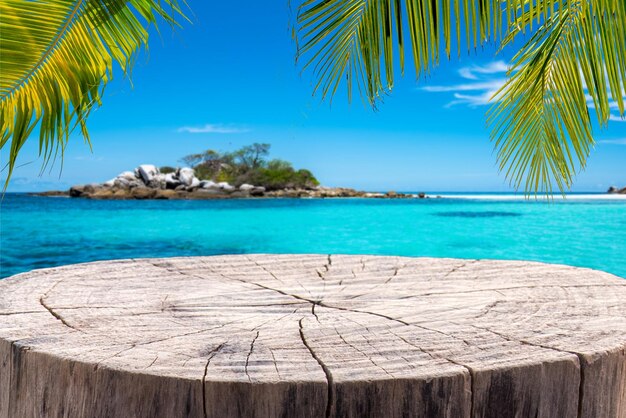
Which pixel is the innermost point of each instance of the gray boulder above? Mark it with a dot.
(147, 172)
(246, 187)
(257, 191)
(77, 191)
(208, 184)
(226, 187)
(84, 190)
(127, 175)
(185, 175)
(157, 182)
(171, 181)
(195, 183)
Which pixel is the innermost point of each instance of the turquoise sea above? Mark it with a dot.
(41, 232)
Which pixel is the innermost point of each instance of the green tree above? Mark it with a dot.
(539, 121)
(210, 163)
(252, 156)
(249, 165)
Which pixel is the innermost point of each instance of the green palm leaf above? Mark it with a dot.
(540, 121)
(56, 56)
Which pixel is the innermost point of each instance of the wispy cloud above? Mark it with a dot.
(474, 72)
(617, 118)
(621, 141)
(481, 85)
(210, 128)
(485, 80)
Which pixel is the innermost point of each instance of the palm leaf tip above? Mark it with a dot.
(57, 56)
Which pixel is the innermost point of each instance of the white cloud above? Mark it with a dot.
(617, 118)
(473, 100)
(621, 141)
(482, 83)
(213, 129)
(485, 81)
(495, 67)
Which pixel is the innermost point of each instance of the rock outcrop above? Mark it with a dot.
(147, 182)
(615, 190)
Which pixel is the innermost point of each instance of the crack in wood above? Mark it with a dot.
(488, 308)
(275, 362)
(518, 340)
(153, 361)
(322, 275)
(159, 340)
(271, 273)
(396, 269)
(455, 269)
(211, 354)
(469, 369)
(330, 400)
(275, 320)
(362, 352)
(395, 273)
(313, 312)
(97, 365)
(579, 356)
(19, 313)
(249, 354)
(57, 315)
(42, 302)
(499, 289)
(581, 386)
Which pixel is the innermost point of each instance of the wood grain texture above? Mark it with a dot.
(313, 336)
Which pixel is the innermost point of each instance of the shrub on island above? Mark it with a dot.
(249, 165)
(166, 169)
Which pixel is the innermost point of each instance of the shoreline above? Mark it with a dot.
(98, 192)
(486, 196)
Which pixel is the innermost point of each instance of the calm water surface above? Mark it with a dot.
(41, 232)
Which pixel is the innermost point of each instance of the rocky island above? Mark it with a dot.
(616, 190)
(216, 175)
(147, 182)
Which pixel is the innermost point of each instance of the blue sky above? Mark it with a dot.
(229, 79)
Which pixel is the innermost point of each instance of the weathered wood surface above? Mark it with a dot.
(313, 335)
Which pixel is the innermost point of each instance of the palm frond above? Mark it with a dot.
(540, 123)
(358, 40)
(56, 56)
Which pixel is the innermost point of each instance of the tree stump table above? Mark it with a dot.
(313, 336)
